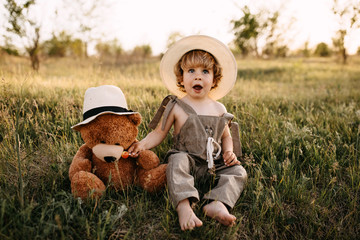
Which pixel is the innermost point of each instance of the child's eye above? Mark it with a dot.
(205, 71)
(191, 70)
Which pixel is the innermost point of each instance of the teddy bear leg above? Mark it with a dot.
(154, 179)
(86, 184)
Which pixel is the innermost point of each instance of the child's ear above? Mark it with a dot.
(135, 118)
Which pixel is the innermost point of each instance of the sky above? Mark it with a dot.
(139, 22)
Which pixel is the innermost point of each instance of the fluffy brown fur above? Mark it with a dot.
(89, 175)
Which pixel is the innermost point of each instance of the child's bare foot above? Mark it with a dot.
(218, 210)
(187, 218)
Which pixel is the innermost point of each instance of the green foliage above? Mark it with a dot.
(299, 124)
(56, 46)
(306, 51)
(273, 46)
(10, 50)
(8, 47)
(273, 50)
(16, 16)
(348, 16)
(143, 51)
(109, 49)
(173, 37)
(63, 46)
(247, 30)
(322, 50)
(23, 27)
(250, 28)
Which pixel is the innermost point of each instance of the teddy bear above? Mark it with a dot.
(108, 130)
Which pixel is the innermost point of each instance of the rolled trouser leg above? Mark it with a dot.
(179, 180)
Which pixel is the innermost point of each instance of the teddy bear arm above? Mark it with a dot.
(147, 159)
(81, 161)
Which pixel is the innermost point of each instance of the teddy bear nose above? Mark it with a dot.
(109, 159)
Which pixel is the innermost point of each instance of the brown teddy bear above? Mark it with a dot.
(108, 129)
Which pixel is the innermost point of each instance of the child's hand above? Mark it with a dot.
(230, 158)
(135, 149)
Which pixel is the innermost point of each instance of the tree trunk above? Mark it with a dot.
(344, 55)
(35, 62)
(33, 51)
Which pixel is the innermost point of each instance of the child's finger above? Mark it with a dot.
(234, 162)
(131, 149)
(228, 161)
(133, 152)
(231, 160)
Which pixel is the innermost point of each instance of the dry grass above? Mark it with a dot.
(300, 126)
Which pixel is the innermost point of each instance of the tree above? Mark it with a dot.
(264, 26)
(143, 51)
(322, 50)
(9, 48)
(306, 51)
(21, 26)
(273, 37)
(109, 49)
(56, 46)
(247, 30)
(173, 37)
(348, 15)
(63, 45)
(85, 17)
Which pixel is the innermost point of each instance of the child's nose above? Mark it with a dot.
(198, 75)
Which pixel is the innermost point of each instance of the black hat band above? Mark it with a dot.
(96, 111)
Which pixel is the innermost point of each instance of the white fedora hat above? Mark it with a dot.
(220, 51)
(100, 100)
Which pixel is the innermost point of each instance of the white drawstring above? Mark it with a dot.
(210, 150)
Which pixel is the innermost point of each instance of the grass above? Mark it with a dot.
(300, 128)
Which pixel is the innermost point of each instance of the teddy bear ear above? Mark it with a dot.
(135, 118)
(77, 128)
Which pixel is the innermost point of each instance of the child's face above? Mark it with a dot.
(198, 81)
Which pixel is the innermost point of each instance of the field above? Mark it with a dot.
(299, 126)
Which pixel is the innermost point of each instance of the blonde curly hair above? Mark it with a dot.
(197, 58)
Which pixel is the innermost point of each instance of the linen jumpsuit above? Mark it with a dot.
(196, 159)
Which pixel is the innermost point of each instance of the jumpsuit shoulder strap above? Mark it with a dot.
(186, 107)
(166, 105)
(235, 134)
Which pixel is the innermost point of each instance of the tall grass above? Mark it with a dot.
(300, 128)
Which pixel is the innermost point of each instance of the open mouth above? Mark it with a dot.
(197, 87)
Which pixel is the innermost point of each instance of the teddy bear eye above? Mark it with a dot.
(117, 144)
(102, 142)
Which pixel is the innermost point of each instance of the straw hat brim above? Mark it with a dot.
(220, 51)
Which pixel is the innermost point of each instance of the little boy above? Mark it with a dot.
(198, 70)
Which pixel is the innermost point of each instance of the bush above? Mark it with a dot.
(322, 50)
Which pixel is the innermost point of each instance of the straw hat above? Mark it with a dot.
(221, 52)
(103, 100)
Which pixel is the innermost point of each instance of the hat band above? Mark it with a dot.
(96, 111)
